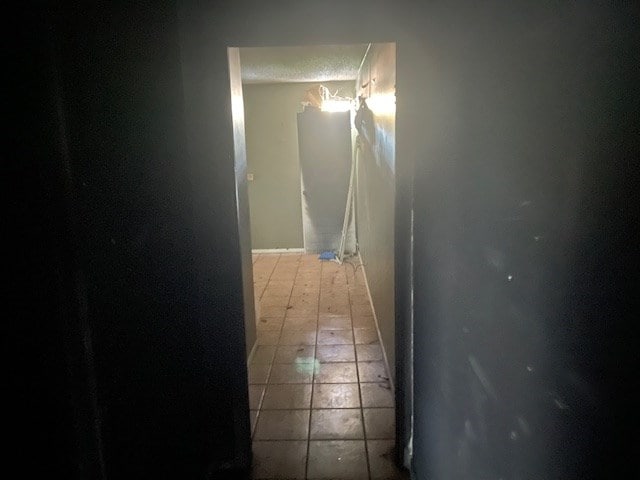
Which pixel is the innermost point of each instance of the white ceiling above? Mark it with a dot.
(301, 64)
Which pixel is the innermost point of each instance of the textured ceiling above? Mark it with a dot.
(301, 64)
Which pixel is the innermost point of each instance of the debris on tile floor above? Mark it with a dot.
(321, 401)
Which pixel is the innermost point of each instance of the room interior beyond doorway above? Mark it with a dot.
(276, 191)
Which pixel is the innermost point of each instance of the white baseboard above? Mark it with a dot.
(375, 319)
(277, 250)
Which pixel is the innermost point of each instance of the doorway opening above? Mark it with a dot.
(314, 130)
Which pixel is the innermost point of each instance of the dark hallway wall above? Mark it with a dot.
(522, 136)
(158, 246)
(49, 382)
(515, 121)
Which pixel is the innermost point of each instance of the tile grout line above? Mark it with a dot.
(266, 385)
(320, 383)
(272, 363)
(273, 269)
(278, 343)
(355, 351)
(257, 319)
(313, 376)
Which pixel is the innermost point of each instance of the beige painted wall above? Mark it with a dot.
(376, 190)
(272, 157)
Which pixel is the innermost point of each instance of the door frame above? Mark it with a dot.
(403, 262)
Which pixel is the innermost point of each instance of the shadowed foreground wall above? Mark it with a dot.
(158, 246)
(522, 120)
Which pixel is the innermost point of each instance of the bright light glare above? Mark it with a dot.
(382, 104)
(336, 105)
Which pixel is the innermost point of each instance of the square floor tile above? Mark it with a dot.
(295, 354)
(263, 354)
(299, 329)
(305, 290)
(298, 338)
(309, 269)
(286, 270)
(335, 337)
(334, 303)
(363, 322)
(288, 276)
(379, 423)
(335, 309)
(255, 396)
(336, 395)
(274, 301)
(287, 397)
(381, 461)
(277, 290)
(332, 278)
(337, 459)
(269, 323)
(335, 297)
(279, 459)
(355, 299)
(261, 274)
(302, 311)
(291, 373)
(258, 373)
(282, 425)
(268, 337)
(300, 323)
(336, 373)
(272, 311)
(335, 353)
(333, 285)
(307, 273)
(368, 353)
(335, 424)
(372, 372)
(362, 310)
(334, 322)
(303, 301)
(365, 335)
(376, 395)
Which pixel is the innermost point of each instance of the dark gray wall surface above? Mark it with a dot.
(158, 246)
(49, 386)
(522, 123)
(376, 185)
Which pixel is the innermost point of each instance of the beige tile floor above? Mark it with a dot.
(321, 404)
